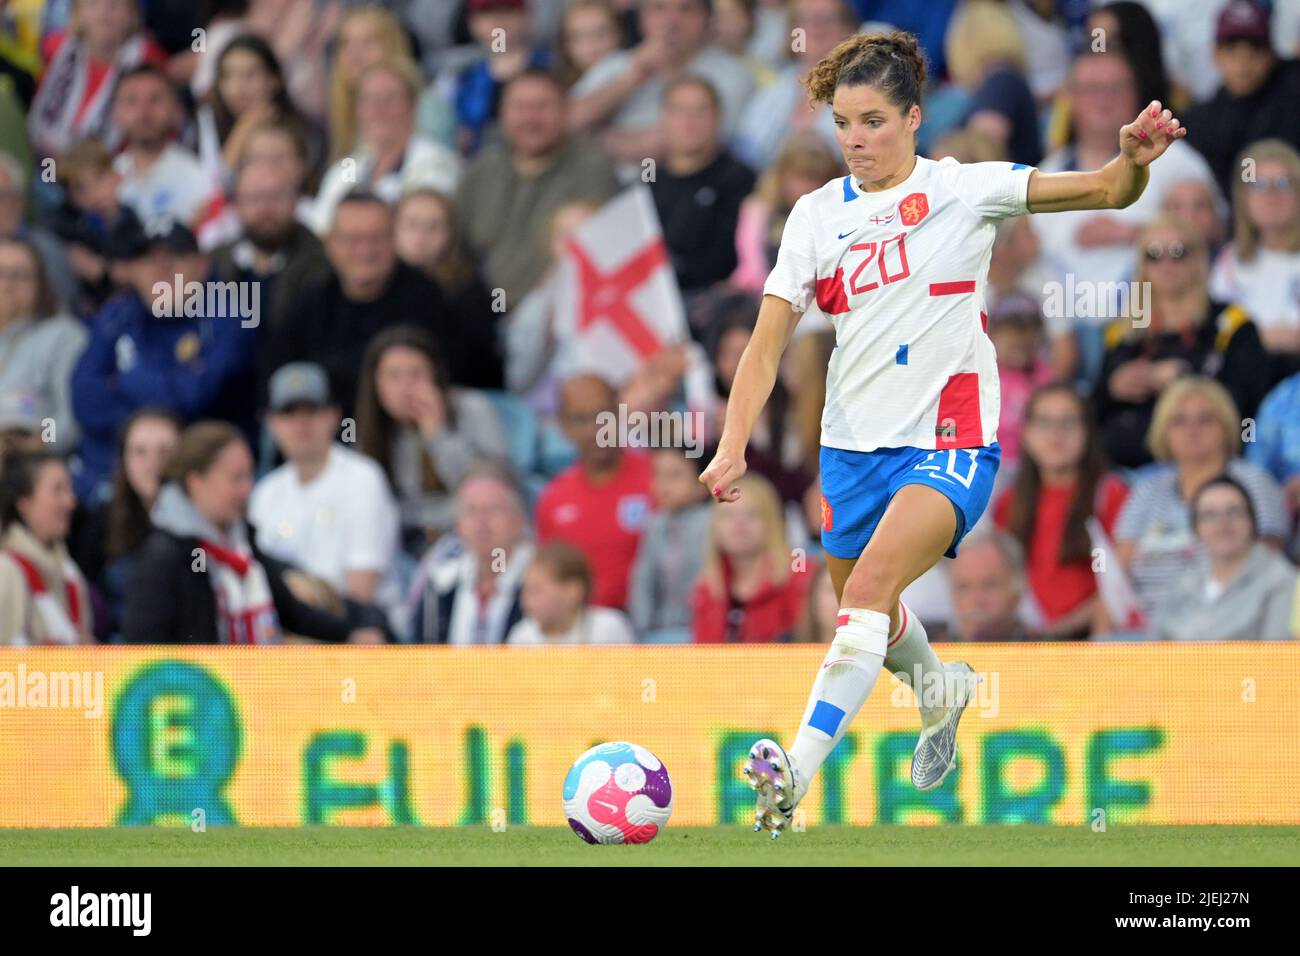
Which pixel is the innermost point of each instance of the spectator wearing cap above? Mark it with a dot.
(1257, 99)
(43, 596)
(699, 189)
(160, 178)
(367, 290)
(987, 580)
(623, 94)
(148, 346)
(602, 502)
(1015, 326)
(274, 248)
(390, 156)
(327, 510)
(469, 593)
(514, 187)
(13, 225)
(1238, 589)
(38, 345)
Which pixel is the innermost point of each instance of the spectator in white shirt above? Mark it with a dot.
(557, 602)
(328, 509)
(1260, 268)
(160, 179)
(391, 157)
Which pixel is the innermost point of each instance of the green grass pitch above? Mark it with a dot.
(677, 846)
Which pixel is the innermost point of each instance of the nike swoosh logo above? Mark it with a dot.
(608, 806)
(843, 234)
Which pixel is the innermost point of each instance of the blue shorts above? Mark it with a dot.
(857, 487)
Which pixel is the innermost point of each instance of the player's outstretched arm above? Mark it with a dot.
(755, 376)
(1120, 182)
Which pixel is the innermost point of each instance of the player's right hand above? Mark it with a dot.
(722, 474)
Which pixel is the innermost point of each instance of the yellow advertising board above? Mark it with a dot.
(286, 736)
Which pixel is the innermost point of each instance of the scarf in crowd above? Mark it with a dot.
(60, 623)
(60, 115)
(245, 610)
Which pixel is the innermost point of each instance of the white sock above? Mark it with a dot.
(842, 686)
(910, 656)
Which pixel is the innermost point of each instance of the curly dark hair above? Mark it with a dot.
(891, 62)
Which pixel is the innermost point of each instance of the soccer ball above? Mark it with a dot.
(618, 793)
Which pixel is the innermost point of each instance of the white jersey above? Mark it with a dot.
(901, 275)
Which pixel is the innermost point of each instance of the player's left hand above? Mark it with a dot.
(1147, 137)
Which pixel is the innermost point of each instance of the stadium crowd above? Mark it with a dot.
(384, 437)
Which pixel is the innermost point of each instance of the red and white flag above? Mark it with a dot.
(617, 299)
(1113, 585)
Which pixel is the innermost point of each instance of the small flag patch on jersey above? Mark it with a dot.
(901, 357)
(826, 717)
(828, 516)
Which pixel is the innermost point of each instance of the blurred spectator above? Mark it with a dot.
(602, 502)
(38, 345)
(752, 589)
(424, 433)
(1182, 330)
(327, 510)
(1093, 247)
(1128, 28)
(199, 578)
(367, 290)
(390, 156)
(1045, 36)
(19, 68)
(1195, 427)
(929, 21)
(821, 611)
(1015, 327)
(987, 57)
(669, 557)
(500, 28)
(1239, 589)
(152, 349)
(699, 189)
(13, 204)
(1276, 445)
(1197, 203)
(781, 109)
(108, 535)
(1061, 482)
(625, 91)
(557, 599)
(590, 32)
(367, 36)
(85, 222)
(43, 596)
(427, 237)
(84, 64)
(514, 187)
(988, 583)
(282, 146)
(274, 249)
(160, 178)
(1260, 269)
(472, 595)
(249, 92)
(804, 163)
(1257, 99)
(734, 27)
(1018, 268)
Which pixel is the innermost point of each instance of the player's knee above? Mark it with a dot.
(873, 585)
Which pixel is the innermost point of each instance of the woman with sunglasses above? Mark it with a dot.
(1178, 330)
(1260, 268)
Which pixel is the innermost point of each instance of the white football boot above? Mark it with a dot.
(779, 785)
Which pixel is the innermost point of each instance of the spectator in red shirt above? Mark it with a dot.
(1062, 481)
(599, 504)
(752, 589)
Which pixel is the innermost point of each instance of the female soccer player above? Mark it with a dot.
(896, 255)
